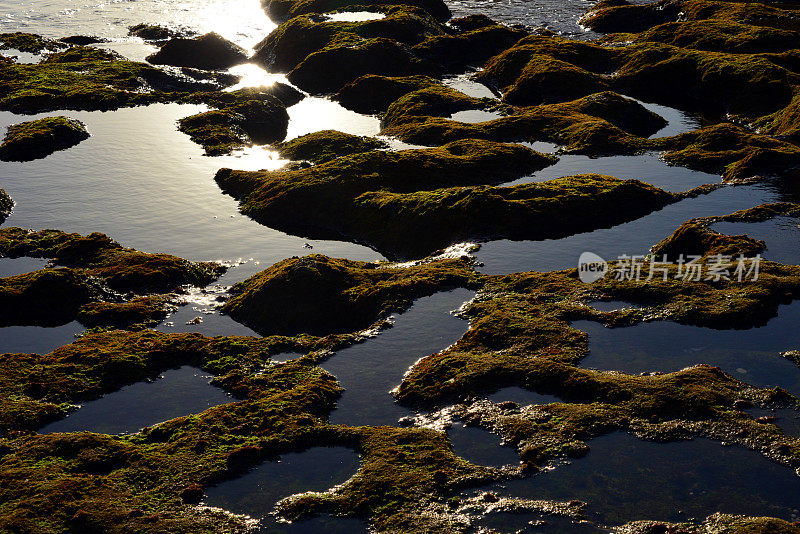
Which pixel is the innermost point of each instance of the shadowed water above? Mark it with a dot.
(15, 266)
(176, 393)
(522, 397)
(368, 371)
(480, 446)
(37, 339)
(635, 237)
(782, 236)
(750, 355)
(624, 479)
(256, 493)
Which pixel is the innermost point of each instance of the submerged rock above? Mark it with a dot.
(40, 138)
(326, 145)
(210, 51)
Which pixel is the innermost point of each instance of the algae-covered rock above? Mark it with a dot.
(40, 138)
(408, 204)
(372, 93)
(48, 297)
(155, 32)
(318, 295)
(282, 10)
(86, 78)
(238, 125)
(210, 51)
(733, 152)
(123, 269)
(750, 85)
(93, 272)
(27, 42)
(325, 145)
(599, 124)
(696, 237)
(6, 205)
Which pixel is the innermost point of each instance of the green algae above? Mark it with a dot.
(27, 42)
(317, 295)
(40, 138)
(282, 10)
(238, 125)
(93, 272)
(6, 205)
(327, 145)
(372, 93)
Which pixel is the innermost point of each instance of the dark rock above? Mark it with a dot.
(40, 138)
(154, 32)
(210, 51)
(83, 40)
(192, 494)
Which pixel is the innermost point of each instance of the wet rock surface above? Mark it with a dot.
(734, 65)
(40, 138)
(210, 51)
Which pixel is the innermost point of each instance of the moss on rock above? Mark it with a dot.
(238, 125)
(210, 51)
(327, 145)
(94, 271)
(317, 294)
(6, 205)
(372, 93)
(282, 10)
(40, 138)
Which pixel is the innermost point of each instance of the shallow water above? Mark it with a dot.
(37, 339)
(561, 17)
(480, 446)
(624, 478)
(175, 393)
(750, 355)
(475, 115)
(241, 21)
(140, 181)
(368, 371)
(256, 493)
(15, 266)
(782, 236)
(635, 237)
(647, 168)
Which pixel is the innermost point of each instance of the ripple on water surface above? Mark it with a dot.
(176, 393)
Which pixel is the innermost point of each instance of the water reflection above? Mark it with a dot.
(256, 493)
(176, 393)
(625, 479)
(751, 355)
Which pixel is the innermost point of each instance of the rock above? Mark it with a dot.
(192, 494)
(154, 32)
(6, 205)
(372, 93)
(742, 404)
(282, 10)
(83, 40)
(325, 145)
(241, 124)
(210, 51)
(40, 138)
